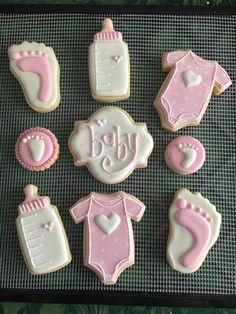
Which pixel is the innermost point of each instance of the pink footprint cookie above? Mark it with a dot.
(37, 149)
(194, 226)
(108, 235)
(186, 92)
(36, 68)
(185, 155)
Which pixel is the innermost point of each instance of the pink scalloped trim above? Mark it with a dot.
(47, 163)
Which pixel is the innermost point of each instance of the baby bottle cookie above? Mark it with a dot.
(186, 92)
(109, 65)
(110, 144)
(108, 235)
(37, 149)
(194, 227)
(185, 155)
(36, 68)
(41, 234)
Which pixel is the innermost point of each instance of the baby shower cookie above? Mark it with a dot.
(108, 234)
(36, 68)
(194, 227)
(109, 64)
(37, 149)
(41, 233)
(110, 144)
(186, 92)
(185, 155)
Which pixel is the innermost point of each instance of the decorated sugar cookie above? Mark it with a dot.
(41, 234)
(110, 144)
(185, 155)
(194, 226)
(109, 65)
(36, 68)
(108, 235)
(186, 92)
(37, 149)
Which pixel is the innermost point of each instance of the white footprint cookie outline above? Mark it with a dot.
(36, 62)
(190, 152)
(194, 227)
(36, 145)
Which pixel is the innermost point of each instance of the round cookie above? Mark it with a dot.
(185, 155)
(37, 149)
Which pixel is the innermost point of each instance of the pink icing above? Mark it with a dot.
(198, 225)
(182, 104)
(36, 62)
(108, 32)
(108, 254)
(23, 153)
(176, 157)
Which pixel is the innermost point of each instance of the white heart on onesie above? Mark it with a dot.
(107, 224)
(191, 79)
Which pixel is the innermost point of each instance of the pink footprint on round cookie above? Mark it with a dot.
(185, 155)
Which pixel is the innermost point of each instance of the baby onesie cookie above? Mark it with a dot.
(37, 149)
(108, 234)
(41, 234)
(36, 68)
(194, 227)
(186, 92)
(110, 144)
(185, 155)
(109, 65)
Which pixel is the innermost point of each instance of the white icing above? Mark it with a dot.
(45, 248)
(31, 82)
(109, 68)
(190, 155)
(191, 79)
(180, 239)
(114, 150)
(107, 224)
(36, 146)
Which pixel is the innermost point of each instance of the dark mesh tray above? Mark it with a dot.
(148, 36)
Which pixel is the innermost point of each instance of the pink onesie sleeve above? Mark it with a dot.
(80, 209)
(170, 58)
(134, 208)
(222, 79)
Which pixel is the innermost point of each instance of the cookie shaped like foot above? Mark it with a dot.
(190, 152)
(196, 221)
(36, 62)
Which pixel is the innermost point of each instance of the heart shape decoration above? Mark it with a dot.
(48, 226)
(101, 122)
(107, 224)
(191, 79)
(118, 58)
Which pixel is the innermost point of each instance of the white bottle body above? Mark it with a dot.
(109, 69)
(43, 240)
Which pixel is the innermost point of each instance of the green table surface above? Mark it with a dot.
(31, 308)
